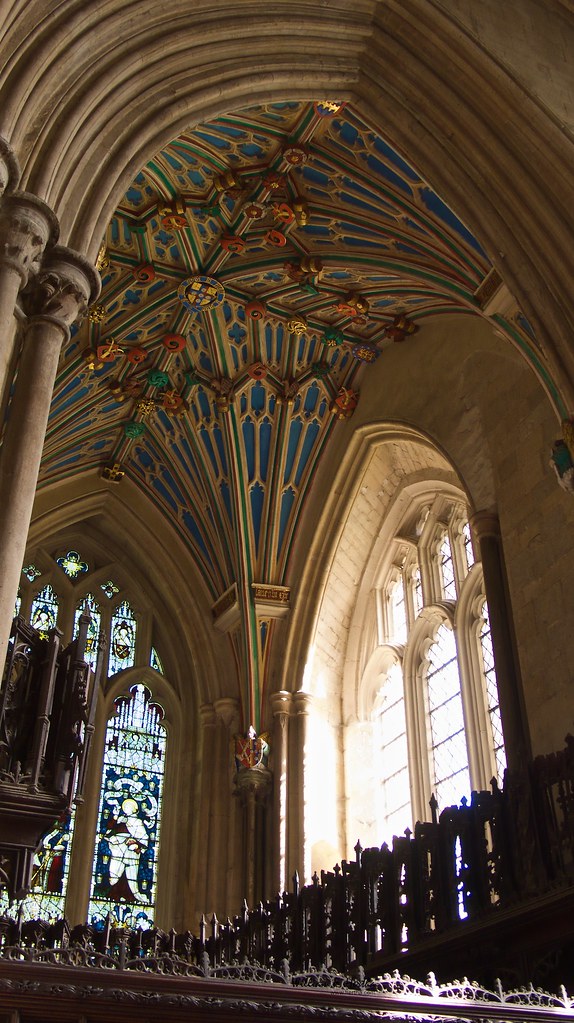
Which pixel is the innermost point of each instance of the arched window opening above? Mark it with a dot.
(451, 778)
(125, 862)
(492, 693)
(44, 611)
(394, 813)
(123, 639)
(47, 895)
(446, 564)
(397, 612)
(89, 604)
(417, 591)
(155, 661)
(468, 551)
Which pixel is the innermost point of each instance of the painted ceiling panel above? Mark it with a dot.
(253, 271)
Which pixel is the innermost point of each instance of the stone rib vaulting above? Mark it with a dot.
(287, 402)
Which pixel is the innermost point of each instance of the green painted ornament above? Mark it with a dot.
(157, 378)
(134, 429)
(333, 337)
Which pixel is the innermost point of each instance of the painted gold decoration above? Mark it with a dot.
(200, 293)
(136, 355)
(295, 154)
(297, 325)
(283, 212)
(345, 403)
(174, 342)
(255, 309)
(365, 353)
(311, 264)
(228, 184)
(103, 260)
(113, 473)
(273, 181)
(91, 360)
(173, 214)
(400, 328)
(109, 350)
(328, 107)
(353, 305)
(254, 210)
(171, 401)
(333, 337)
(144, 273)
(97, 313)
(145, 406)
(232, 243)
(301, 211)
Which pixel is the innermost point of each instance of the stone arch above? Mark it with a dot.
(109, 86)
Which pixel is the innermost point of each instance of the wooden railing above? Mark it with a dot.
(471, 865)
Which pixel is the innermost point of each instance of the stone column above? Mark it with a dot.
(281, 708)
(60, 294)
(27, 226)
(486, 528)
(198, 871)
(225, 845)
(253, 784)
(298, 860)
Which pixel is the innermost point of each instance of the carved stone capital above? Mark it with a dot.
(227, 708)
(9, 168)
(253, 782)
(302, 702)
(27, 226)
(63, 289)
(281, 703)
(485, 524)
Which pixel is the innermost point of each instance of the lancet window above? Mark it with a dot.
(436, 698)
(125, 863)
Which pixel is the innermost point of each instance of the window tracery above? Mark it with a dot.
(124, 875)
(439, 677)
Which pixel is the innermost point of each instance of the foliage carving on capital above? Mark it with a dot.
(63, 289)
(27, 226)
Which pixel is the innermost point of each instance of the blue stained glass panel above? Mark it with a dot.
(45, 900)
(123, 639)
(125, 862)
(90, 604)
(44, 611)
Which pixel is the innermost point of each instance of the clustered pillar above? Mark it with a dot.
(486, 529)
(44, 289)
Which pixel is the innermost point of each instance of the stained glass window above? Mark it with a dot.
(122, 639)
(110, 589)
(449, 751)
(125, 868)
(44, 611)
(155, 662)
(31, 572)
(492, 693)
(447, 569)
(17, 605)
(72, 564)
(89, 604)
(47, 895)
(394, 794)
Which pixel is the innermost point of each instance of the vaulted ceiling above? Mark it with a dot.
(253, 273)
